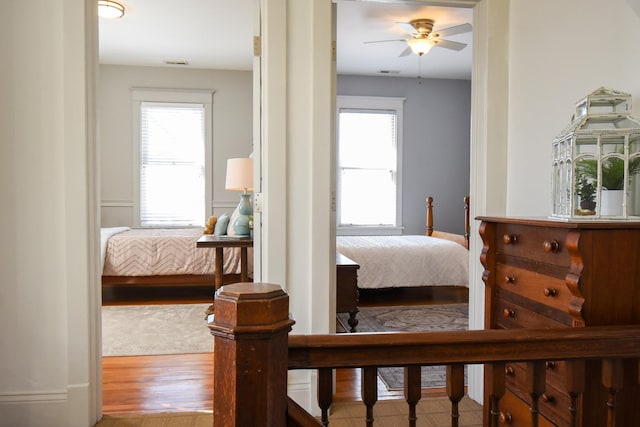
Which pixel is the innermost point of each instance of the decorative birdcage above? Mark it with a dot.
(596, 160)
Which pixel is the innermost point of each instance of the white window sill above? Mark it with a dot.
(368, 231)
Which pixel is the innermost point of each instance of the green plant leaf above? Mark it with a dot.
(612, 171)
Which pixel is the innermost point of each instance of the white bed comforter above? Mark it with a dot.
(404, 261)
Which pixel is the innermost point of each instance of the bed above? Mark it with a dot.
(434, 259)
(162, 257)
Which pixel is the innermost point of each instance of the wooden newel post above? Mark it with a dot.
(250, 329)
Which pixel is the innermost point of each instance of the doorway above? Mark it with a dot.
(156, 56)
(373, 60)
(487, 105)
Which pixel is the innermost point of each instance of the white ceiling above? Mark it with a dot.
(218, 34)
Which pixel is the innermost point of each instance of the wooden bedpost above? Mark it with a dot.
(250, 329)
(429, 216)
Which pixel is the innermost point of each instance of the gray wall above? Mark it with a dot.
(436, 144)
(232, 129)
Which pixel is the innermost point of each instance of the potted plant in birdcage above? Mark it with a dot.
(612, 183)
(587, 192)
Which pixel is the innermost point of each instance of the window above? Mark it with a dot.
(171, 167)
(368, 165)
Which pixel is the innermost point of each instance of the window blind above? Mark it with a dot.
(172, 164)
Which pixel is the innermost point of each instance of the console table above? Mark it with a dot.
(347, 288)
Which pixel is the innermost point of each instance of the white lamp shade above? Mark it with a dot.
(420, 45)
(239, 174)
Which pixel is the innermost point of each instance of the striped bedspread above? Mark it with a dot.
(170, 251)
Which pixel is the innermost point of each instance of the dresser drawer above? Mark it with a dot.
(516, 413)
(516, 373)
(554, 402)
(540, 244)
(538, 287)
(508, 314)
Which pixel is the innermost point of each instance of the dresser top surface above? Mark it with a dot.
(562, 223)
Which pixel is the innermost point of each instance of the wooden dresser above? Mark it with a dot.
(543, 273)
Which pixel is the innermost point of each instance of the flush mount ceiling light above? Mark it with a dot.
(110, 9)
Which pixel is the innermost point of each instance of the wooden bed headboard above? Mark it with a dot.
(463, 240)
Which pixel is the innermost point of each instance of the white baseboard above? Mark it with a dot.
(47, 408)
(302, 387)
(475, 375)
(33, 410)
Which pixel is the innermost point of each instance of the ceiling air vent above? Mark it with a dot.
(176, 62)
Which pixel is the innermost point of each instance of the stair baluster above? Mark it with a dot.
(412, 390)
(369, 390)
(612, 378)
(325, 393)
(455, 390)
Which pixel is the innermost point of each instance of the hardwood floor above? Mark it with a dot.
(165, 383)
(170, 383)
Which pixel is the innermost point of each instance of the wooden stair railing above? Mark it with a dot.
(252, 356)
(458, 348)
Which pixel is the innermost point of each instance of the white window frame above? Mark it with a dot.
(192, 96)
(347, 102)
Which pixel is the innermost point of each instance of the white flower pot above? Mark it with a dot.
(611, 201)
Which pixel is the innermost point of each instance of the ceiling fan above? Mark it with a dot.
(423, 38)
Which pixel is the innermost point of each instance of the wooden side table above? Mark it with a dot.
(347, 296)
(221, 242)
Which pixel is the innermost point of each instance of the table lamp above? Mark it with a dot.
(240, 177)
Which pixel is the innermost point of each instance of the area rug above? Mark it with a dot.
(418, 318)
(132, 330)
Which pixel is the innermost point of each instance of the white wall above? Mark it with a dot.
(298, 94)
(559, 52)
(47, 270)
(232, 129)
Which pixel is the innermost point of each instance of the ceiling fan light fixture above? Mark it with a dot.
(110, 9)
(420, 46)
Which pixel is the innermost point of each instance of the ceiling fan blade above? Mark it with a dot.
(405, 52)
(407, 27)
(456, 29)
(448, 44)
(384, 41)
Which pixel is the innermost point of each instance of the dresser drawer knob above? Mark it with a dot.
(509, 371)
(506, 418)
(551, 246)
(507, 312)
(550, 292)
(550, 365)
(547, 398)
(510, 239)
(509, 280)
